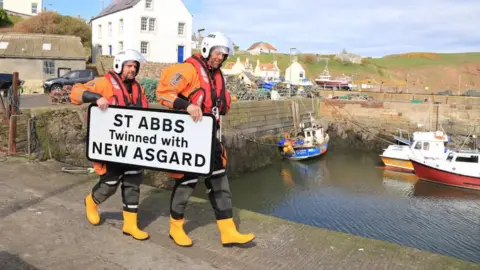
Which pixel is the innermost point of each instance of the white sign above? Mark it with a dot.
(151, 138)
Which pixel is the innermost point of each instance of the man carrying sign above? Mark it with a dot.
(117, 87)
(198, 87)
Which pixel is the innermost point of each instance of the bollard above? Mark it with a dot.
(13, 111)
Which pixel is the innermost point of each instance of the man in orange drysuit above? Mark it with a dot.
(117, 87)
(198, 87)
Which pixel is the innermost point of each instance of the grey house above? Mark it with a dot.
(37, 57)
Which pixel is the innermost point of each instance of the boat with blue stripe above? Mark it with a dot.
(310, 142)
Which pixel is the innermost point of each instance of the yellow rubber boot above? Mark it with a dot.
(177, 234)
(130, 226)
(91, 209)
(229, 234)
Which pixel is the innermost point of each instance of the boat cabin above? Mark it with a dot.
(312, 132)
(429, 143)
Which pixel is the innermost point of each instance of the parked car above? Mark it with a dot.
(70, 78)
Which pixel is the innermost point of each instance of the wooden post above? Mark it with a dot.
(13, 111)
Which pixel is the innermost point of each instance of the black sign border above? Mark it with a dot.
(214, 131)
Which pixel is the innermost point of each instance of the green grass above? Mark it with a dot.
(402, 61)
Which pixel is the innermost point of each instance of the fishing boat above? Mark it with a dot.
(459, 169)
(311, 142)
(430, 144)
(325, 80)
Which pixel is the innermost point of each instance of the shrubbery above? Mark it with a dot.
(150, 85)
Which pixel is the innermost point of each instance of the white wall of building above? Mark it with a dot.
(297, 73)
(27, 7)
(161, 37)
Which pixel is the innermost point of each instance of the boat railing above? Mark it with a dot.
(401, 137)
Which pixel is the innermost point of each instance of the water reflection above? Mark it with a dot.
(350, 193)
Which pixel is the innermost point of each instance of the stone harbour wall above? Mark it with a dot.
(366, 120)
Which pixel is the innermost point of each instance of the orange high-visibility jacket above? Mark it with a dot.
(112, 88)
(192, 83)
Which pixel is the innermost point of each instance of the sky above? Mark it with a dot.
(366, 27)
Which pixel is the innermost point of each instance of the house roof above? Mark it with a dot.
(267, 67)
(40, 46)
(116, 6)
(257, 44)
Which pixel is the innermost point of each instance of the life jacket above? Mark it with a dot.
(121, 97)
(212, 93)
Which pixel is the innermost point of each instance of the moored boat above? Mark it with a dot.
(458, 169)
(311, 142)
(431, 144)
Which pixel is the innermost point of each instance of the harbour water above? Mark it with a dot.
(350, 192)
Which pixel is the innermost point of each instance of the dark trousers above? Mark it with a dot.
(129, 177)
(217, 185)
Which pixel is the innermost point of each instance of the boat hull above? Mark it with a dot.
(397, 163)
(431, 174)
(305, 153)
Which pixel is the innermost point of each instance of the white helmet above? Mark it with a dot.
(216, 40)
(127, 55)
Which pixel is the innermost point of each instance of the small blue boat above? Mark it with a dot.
(310, 143)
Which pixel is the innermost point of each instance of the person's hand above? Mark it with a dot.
(102, 103)
(195, 111)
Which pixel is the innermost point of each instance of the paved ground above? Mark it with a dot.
(42, 226)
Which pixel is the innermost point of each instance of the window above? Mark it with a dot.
(109, 29)
(143, 25)
(73, 75)
(470, 159)
(49, 67)
(120, 27)
(300, 75)
(418, 146)
(450, 157)
(85, 74)
(99, 31)
(120, 46)
(151, 24)
(1, 3)
(426, 146)
(144, 47)
(34, 8)
(181, 29)
(148, 4)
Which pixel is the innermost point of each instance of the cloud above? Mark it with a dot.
(367, 27)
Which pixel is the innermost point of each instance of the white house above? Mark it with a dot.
(267, 71)
(295, 73)
(160, 30)
(231, 68)
(23, 8)
(261, 47)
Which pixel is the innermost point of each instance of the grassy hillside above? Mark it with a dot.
(437, 71)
